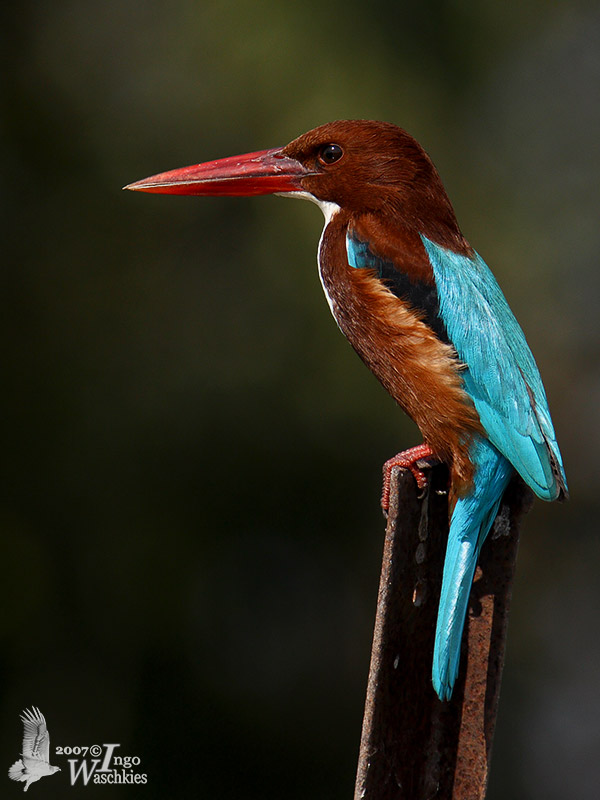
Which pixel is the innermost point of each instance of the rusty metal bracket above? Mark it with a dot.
(413, 746)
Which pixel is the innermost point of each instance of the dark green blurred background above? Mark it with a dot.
(191, 531)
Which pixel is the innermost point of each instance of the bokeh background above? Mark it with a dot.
(191, 533)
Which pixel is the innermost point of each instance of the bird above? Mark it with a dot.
(35, 756)
(425, 314)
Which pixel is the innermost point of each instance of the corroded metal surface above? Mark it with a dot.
(413, 746)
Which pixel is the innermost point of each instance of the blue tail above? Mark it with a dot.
(471, 521)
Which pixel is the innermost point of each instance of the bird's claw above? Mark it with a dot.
(408, 459)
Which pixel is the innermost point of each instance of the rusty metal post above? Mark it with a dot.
(413, 746)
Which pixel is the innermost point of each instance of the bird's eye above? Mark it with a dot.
(330, 153)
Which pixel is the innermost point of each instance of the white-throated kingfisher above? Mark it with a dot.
(425, 314)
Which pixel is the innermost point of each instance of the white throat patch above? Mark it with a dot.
(329, 211)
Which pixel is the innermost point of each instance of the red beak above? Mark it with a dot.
(264, 172)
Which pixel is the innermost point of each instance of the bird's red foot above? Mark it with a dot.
(408, 460)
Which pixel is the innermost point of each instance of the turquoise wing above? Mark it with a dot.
(500, 374)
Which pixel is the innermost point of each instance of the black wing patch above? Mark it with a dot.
(420, 295)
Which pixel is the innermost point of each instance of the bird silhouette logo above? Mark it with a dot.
(34, 762)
